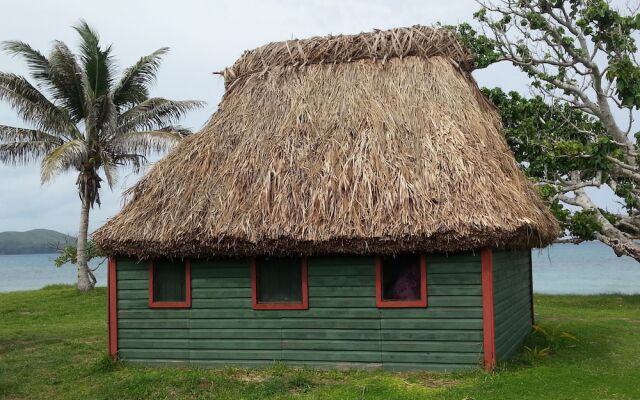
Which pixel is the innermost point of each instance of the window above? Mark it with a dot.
(401, 281)
(279, 283)
(169, 284)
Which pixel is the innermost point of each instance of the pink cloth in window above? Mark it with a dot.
(407, 286)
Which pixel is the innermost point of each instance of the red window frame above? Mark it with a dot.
(304, 305)
(171, 304)
(419, 303)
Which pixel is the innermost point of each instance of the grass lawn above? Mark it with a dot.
(53, 345)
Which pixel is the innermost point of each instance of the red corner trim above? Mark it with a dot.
(112, 307)
(171, 304)
(421, 302)
(304, 305)
(487, 310)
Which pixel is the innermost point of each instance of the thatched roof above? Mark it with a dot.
(419, 41)
(373, 143)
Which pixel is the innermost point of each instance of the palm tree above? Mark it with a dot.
(81, 118)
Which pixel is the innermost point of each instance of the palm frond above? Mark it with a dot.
(178, 129)
(60, 74)
(136, 161)
(91, 113)
(97, 63)
(156, 113)
(33, 107)
(145, 142)
(10, 134)
(66, 80)
(70, 155)
(133, 87)
(107, 118)
(110, 169)
(24, 153)
(36, 61)
(100, 119)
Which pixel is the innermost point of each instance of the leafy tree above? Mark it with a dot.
(69, 254)
(581, 57)
(81, 118)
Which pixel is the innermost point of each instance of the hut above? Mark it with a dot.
(351, 203)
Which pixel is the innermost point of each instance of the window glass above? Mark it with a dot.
(401, 277)
(279, 280)
(169, 281)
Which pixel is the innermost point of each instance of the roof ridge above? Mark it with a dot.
(378, 45)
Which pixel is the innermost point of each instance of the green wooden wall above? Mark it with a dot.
(341, 328)
(512, 300)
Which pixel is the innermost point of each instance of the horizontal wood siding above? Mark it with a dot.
(342, 326)
(512, 300)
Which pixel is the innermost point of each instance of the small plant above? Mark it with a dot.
(68, 254)
(278, 368)
(300, 382)
(535, 354)
(555, 339)
(542, 343)
(105, 364)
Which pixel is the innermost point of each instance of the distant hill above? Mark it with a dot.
(33, 242)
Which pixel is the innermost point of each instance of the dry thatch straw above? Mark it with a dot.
(418, 41)
(354, 155)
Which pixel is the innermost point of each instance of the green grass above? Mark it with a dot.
(53, 341)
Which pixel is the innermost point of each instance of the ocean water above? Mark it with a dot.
(587, 268)
(34, 271)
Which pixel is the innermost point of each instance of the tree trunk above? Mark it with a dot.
(609, 234)
(620, 245)
(84, 282)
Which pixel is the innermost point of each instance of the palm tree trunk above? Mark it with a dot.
(84, 282)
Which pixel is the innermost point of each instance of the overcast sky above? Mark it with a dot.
(204, 36)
